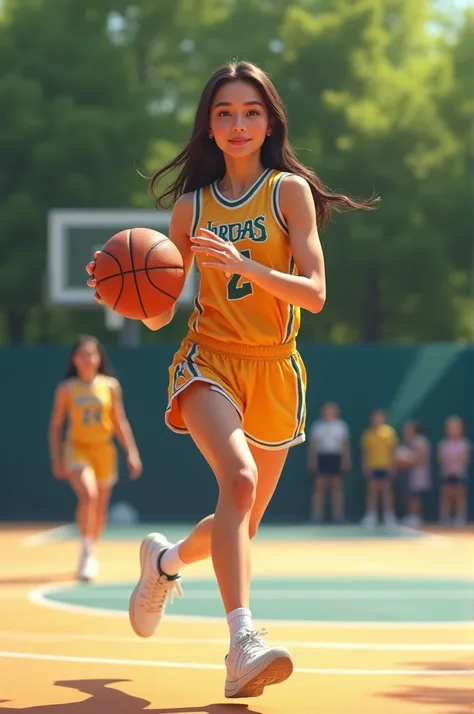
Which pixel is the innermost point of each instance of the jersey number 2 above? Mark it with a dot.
(236, 291)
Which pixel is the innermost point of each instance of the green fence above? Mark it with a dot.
(429, 381)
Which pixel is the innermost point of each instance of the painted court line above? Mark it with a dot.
(58, 533)
(49, 535)
(14, 636)
(220, 667)
(259, 593)
(433, 538)
(38, 596)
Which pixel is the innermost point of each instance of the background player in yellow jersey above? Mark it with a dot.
(90, 399)
(248, 210)
(378, 444)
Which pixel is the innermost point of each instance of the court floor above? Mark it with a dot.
(377, 621)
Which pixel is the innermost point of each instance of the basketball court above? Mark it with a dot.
(377, 621)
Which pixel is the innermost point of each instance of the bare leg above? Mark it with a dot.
(461, 502)
(197, 546)
(84, 485)
(445, 502)
(251, 664)
(103, 499)
(337, 498)
(222, 442)
(386, 490)
(320, 488)
(372, 491)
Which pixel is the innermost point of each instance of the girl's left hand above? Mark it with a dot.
(134, 464)
(223, 254)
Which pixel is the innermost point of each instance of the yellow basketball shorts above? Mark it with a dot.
(101, 458)
(266, 385)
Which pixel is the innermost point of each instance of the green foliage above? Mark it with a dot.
(74, 127)
(379, 96)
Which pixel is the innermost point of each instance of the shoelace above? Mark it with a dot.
(252, 641)
(162, 589)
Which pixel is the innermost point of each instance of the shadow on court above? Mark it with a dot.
(453, 700)
(103, 700)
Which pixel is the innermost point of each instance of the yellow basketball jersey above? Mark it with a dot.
(90, 411)
(232, 309)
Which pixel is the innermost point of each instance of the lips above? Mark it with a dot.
(239, 142)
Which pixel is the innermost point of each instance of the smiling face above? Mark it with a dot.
(87, 360)
(239, 119)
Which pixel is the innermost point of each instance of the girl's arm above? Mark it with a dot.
(124, 431)
(180, 227)
(56, 421)
(467, 454)
(308, 289)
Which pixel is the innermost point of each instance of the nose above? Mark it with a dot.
(238, 124)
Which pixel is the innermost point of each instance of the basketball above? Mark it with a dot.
(139, 273)
(403, 457)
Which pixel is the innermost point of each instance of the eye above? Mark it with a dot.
(253, 112)
(224, 113)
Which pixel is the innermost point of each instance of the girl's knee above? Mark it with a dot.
(240, 488)
(89, 498)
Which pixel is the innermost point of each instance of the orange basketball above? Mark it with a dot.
(139, 273)
(403, 458)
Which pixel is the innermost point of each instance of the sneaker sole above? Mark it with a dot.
(275, 672)
(149, 539)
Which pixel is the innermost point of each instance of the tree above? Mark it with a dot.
(74, 129)
(379, 98)
(376, 78)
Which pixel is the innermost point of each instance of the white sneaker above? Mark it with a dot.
(252, 664)
(370, 519)
(390, 520)
(148, 600)
(88, 566)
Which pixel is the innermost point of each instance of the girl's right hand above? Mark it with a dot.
(92, 283)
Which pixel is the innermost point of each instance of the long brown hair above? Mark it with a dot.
(202, 162)
(104, 364)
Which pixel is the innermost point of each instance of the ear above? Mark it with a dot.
(271, 125)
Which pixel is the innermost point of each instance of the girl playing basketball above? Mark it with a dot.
(248, 210)
(91, 400)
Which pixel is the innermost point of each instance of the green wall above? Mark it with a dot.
(428, 381)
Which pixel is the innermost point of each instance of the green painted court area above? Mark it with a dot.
(307, 599)
(267, 532)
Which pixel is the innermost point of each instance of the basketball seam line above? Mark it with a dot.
(138, 270)
(130, 251)
(121, 275)
(165, 268)
(160, 289)
(163, 240)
